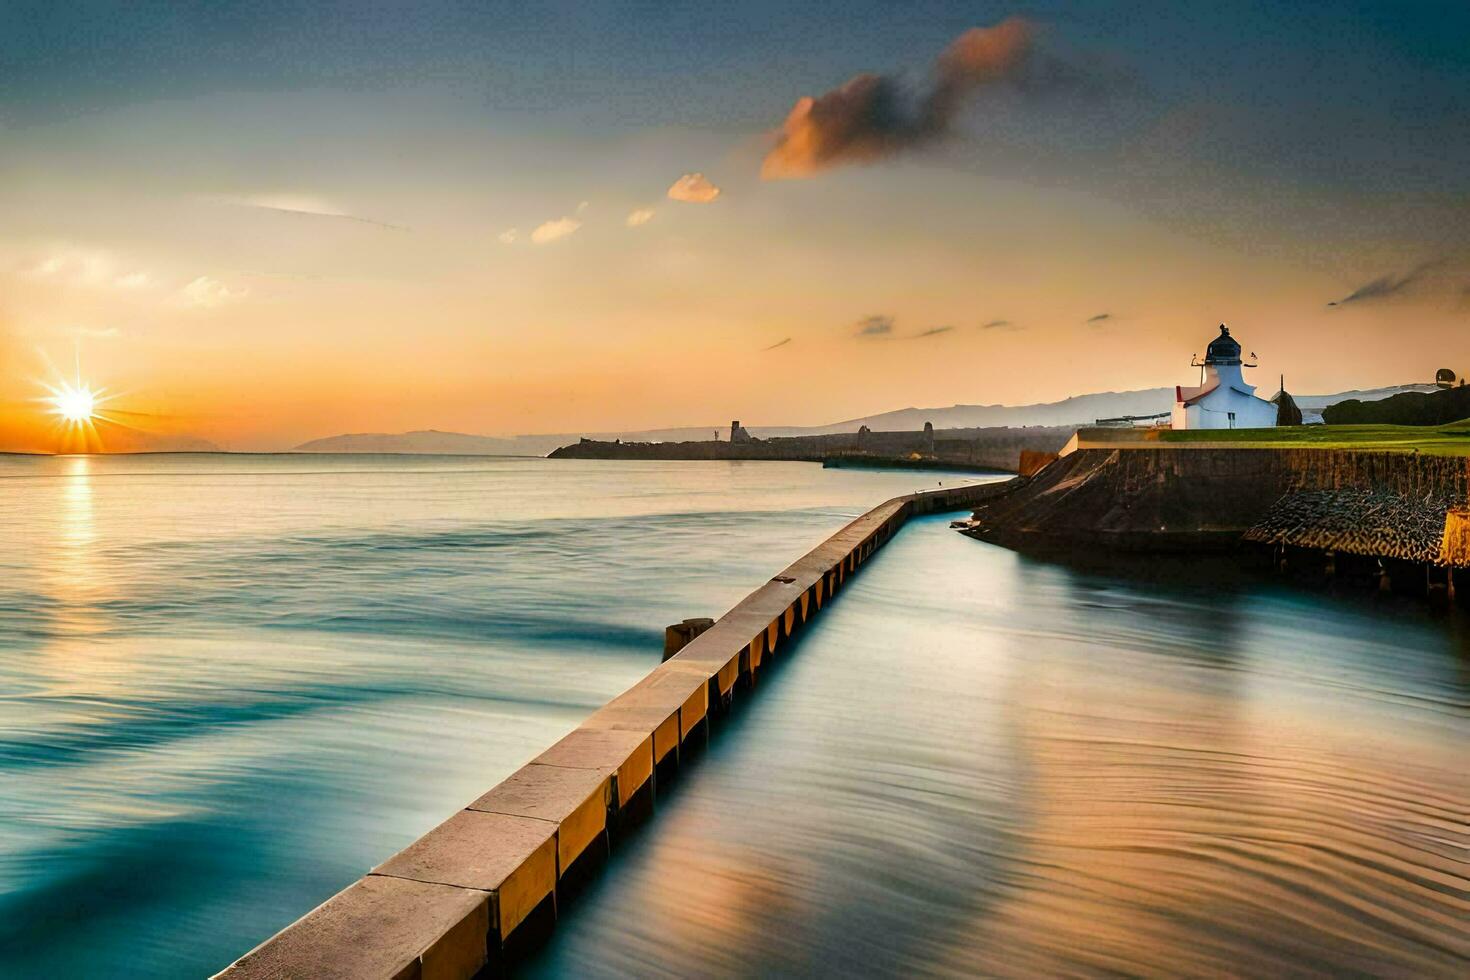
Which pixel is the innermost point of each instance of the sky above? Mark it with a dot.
(278, 222)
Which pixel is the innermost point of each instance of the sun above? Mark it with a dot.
(74, 403)
(80, 413)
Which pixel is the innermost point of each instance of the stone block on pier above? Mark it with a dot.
(628, 754)
(576, 800)
(512, 858)
(671, 692)
(378, 927)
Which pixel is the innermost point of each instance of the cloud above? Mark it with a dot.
(779, 343)
(207, 293)
(1386, 286)
(877, 325)
(88, 267)
(509, 236)
(999, 325)
(693, 189)
(582, 206)
(307, 205)
(873, 116)
(932, 332)
(293, 203)
(642, 216)
(551, 231)
(133, 280)
(1099, 317)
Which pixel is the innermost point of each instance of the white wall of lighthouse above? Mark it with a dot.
(1224, 399)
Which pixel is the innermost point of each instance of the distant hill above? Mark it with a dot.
(432, 441)
(1434, 407)
(117, 439)
(1071, 411)
(422, 441)
(1316, 403)
(1078, 410)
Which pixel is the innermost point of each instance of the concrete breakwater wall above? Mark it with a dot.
(1382, 504)
(983, 448)
(465, 897)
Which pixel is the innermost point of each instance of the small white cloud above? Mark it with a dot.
(582, 206)
(207, 293)
(295, 203)
(509, 236)
(80, 267)
(87, 267)
(133, 280)
(310, 205)
(553, 230)
(693, 189)
(642, 216)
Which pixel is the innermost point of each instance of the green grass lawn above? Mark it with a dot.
(1444, 440)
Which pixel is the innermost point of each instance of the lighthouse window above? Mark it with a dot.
(1232, 419)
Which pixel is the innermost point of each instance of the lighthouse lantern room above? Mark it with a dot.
(1223, 399)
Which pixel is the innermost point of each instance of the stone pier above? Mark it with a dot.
(467, 895)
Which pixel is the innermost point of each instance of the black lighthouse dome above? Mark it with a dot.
(1223, 349)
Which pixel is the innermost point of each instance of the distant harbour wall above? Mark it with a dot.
(995, 449)
(471, 894)
(1389, 506)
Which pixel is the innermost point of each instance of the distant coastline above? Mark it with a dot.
(1075, 412)
(989, 450)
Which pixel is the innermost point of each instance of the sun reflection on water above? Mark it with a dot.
(74, 578)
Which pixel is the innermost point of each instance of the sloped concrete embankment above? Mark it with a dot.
(464, 898)
(1390, 505)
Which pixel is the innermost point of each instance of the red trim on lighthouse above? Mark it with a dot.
(1195, 394)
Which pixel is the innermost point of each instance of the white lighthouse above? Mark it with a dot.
(1223, 400)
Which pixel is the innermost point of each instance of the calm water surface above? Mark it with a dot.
(228, 686)
(981, 765)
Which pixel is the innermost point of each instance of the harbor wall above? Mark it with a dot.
(980, 448)
(466, 897)
(1395, 505)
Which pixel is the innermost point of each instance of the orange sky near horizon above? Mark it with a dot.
(668, 324)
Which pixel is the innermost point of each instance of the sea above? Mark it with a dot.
(231, 684)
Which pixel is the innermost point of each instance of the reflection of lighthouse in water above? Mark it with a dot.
(1223, 400)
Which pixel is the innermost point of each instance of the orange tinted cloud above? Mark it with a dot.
(872, 116)
(88, 267)
(206, 293)
(693, 189)
(551, 231)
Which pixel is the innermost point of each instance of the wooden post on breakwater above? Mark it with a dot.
(472, 892)
(677, 636)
